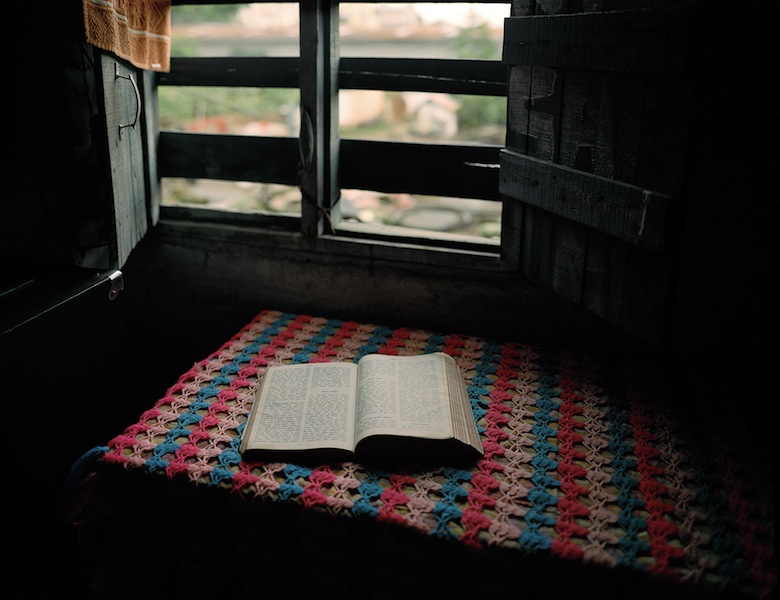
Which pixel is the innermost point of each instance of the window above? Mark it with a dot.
(392, 129)
(588, 178)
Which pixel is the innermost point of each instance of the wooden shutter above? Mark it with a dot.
(592, 170)
(130, 119)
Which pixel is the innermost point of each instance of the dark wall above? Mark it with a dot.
(727, 279)
(54, 196)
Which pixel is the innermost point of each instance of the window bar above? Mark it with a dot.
(319, 135)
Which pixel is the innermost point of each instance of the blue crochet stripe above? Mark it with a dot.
(379, 337)
(538, 514)
(435, 343)
(478, 390)
(446, 510)
(157, 461)
(289, 488)
(369, 492)
(230, 456)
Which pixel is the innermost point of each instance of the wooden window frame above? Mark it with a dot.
(319, 162)
(599, 238)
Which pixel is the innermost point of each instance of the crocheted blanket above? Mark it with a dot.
(587, 459)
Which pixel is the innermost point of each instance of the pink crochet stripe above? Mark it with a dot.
(600, 537)
(687, 515)
(482, 496)
(394, 498)
(570, 506)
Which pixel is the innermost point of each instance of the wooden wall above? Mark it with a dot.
(638, 167)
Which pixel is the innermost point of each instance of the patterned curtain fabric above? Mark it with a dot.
(136, 30)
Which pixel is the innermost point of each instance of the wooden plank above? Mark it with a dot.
(533, 119)
(122, 103)
(518, 139)
(544, 110)
(475, 77)
(437, 169)
(518, 110)
(277, 72)
(568, 249)
(228, 157)
(605, 275)
(544, 120)
(628, 212)
(537, 245)
(581, 119)
(512, 227)
(459, 171)
(627, 285)
(645, 41)
(595, 286)
(602, 124)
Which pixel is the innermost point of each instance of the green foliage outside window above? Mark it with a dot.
(189, 15)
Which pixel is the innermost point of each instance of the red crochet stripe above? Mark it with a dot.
(319, 479)
(331, 346)
(659, 523)
(393, 497)
(483, 482)
(397, 341)
(569, 506)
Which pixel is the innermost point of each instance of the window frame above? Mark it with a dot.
(324, 163)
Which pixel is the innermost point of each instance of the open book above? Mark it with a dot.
(383, 407)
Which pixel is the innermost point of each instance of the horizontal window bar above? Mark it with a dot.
(228, 157)
(446, 170)
(475, 77)
(280, 72)
(435, 169)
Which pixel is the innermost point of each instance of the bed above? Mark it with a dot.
(598, 479)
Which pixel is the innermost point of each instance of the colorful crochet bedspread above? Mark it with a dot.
(586, 458)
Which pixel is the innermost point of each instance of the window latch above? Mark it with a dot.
(117, 284)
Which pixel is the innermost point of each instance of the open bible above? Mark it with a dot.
(383, 407)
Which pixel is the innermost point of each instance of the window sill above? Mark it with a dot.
(352, 241)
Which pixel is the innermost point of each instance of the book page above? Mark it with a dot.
(302, 407)
(403, 395)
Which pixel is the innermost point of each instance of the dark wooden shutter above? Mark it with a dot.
(591, 176)
(130, 118)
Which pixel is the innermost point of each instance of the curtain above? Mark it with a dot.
(136, 30)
